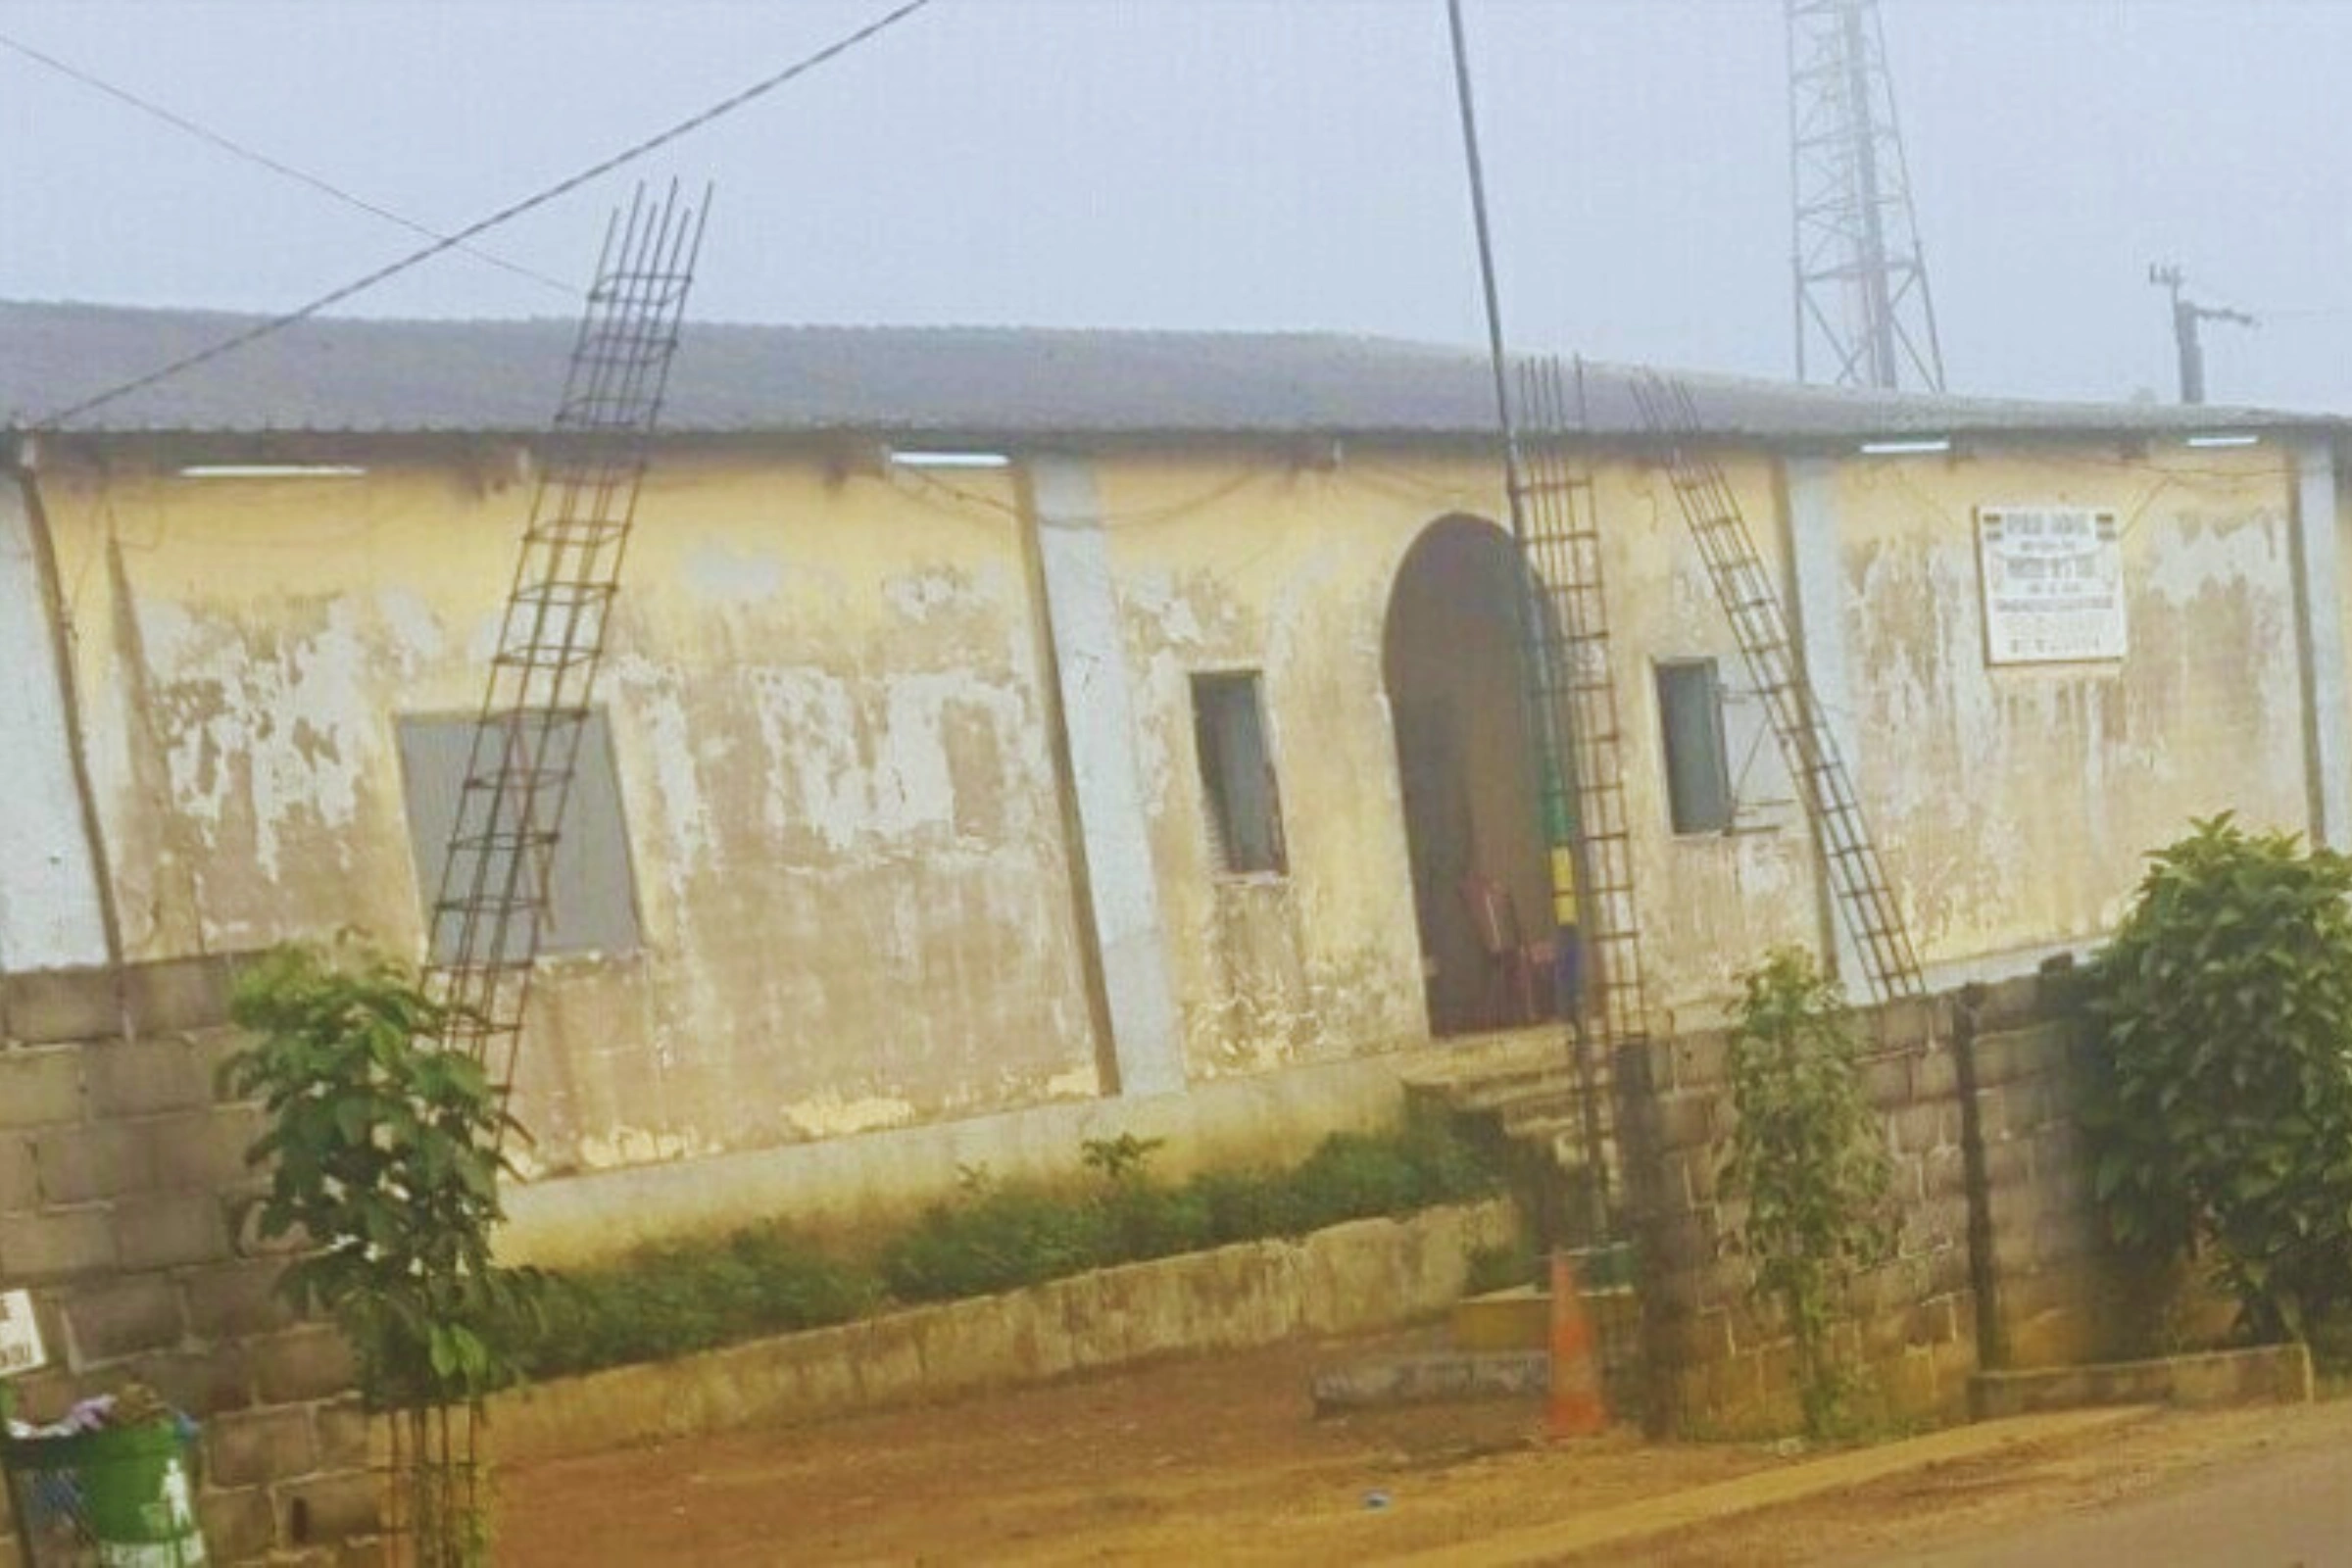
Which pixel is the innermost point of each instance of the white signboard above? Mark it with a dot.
(19, 1336)
(2053, 579)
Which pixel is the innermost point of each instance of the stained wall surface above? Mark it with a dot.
(2016, 802)
(824, 698)
(836, 700)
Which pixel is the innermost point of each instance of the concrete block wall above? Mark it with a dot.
(2001, 1259)
(2055, 1290)
(1723, 1364)
(121, 1177)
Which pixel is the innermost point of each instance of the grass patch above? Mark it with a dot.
(671, 1300)
(674, 1300)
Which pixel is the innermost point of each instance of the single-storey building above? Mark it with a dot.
(1009, 736)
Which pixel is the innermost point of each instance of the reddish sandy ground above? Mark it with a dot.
(1222, 1461)
(1198, 1461)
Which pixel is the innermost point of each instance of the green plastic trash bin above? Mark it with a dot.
(129, 1494)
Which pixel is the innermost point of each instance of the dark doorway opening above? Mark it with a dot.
(1480, 885)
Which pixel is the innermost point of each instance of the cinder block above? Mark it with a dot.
(203, 1150)
(1699, 1060)
(1907, 1022)
(56, 1244)
(1886, 1080)
(254, 1447)
(85, 1163)
(165, 1231)
(2009, 1167)
(2018, 1002)
(2017, 1053)
(20, 1177)
(51, 1006)
(146, 1077)
(330, 1509)
(346, 1434)
(1700, 1171)
(40, 1088)
(1686, 1121)
(206, 1383)
(237, 1300)
(1944, 1173)
(238, 1526)
(176, 994)
(126, 1318)
(213, 1048)
(305, 1364)
(1916, 1129)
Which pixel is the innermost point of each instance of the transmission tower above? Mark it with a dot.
(1861, 280)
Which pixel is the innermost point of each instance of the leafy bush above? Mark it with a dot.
(381, 1154)
(666, 1302)
(2223, 1015)
(994, 1239)
(1001, 1237)
(671, 1300)
(1808, 1156)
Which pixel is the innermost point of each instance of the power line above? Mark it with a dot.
(562, 187)
(204, 134)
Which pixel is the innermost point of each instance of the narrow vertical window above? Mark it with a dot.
(1699, 781)
(1237, 767)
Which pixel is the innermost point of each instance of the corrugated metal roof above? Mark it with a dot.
(1004, 383)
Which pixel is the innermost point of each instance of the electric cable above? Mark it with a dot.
(271, 326)
(237, 149)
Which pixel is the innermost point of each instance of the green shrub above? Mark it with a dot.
(667, 1302)
(1504, 1266)
(2223, 1022)
(1808, 1158)
(1002, 1237)
(671, 1300)
(1245, 1206)
(992, 1239)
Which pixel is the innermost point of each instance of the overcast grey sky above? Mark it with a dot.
(1226, 163)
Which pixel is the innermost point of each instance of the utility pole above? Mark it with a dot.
(2189, 319)
(1861, 279)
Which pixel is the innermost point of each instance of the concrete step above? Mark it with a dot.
(1534, 1110)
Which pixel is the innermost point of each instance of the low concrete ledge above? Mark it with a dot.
(2267, 1374)
(1355, 1277)
(1432, 1378)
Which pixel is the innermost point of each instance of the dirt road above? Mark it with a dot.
(2236, 1488)
(1208, 1461)
(1222, 1461)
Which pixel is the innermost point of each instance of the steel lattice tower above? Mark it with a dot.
(1861, 280)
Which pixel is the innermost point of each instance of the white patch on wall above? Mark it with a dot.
(2053, 584)
(886, 779)
(718, 576)
(288, 722)
(49, 914)
(921, 595)
(415, 631)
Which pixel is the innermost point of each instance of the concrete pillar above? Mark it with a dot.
(1097, 711)
(1816, 586)
(51, 917)
(2319, 625)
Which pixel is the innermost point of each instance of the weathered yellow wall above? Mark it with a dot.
(1289, 568)
(829, 727)
(1710, 903)
(2016, 804)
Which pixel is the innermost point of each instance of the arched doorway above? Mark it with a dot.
(1451, 660)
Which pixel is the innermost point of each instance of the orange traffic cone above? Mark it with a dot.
(1576, 1407)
